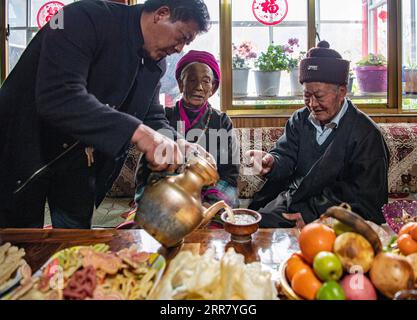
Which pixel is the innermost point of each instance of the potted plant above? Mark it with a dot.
(269, 65)
(294, 62)
(241, 60)
(371, 72)
(410, 78)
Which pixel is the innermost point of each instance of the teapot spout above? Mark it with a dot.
(211, 211)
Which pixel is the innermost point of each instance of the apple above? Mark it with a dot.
(358, 287)
(330, 290)
(340, 228)
(327, 266)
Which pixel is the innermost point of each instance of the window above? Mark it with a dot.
(387, 29)
(357, 29)
(363, 25)
(250, 39)
(23, 26)
(409, 57)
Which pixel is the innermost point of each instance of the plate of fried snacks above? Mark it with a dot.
(14, 270)
(202, 277)
(94, 273)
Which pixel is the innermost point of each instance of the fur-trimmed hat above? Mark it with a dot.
(323, 64)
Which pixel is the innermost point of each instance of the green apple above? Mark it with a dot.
(340, 228)
(327, 266)
(330, 290)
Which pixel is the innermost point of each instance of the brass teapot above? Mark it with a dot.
(171, 208)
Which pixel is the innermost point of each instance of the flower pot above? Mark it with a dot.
(296, 87)
(372, 79)
(240, 82)
(410, 77)
(267, 83)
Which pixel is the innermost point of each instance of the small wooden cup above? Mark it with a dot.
(241, 232)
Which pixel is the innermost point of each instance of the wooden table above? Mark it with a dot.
(269, 246)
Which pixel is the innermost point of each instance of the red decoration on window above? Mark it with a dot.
(270, 12)
(383, 15)
(47, 11)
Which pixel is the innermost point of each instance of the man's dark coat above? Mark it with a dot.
(87, 84)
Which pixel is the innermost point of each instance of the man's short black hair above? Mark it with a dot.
(183, 10)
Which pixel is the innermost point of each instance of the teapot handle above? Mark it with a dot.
(211, 211)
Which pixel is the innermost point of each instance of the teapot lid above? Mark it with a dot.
(203, 167)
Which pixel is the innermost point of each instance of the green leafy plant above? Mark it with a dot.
(274, 59)
(372, 60)
(279, 57)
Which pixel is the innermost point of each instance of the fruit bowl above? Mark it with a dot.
(285, 285)
(398, 213)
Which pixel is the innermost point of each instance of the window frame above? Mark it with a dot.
(394, 56)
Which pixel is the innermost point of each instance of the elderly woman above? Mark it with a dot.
(198, 77)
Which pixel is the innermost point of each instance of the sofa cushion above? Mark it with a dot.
(401, 139)
(259, 139)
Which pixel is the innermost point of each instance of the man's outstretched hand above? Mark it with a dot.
(261, 161)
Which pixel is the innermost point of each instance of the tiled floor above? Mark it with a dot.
(107, 215)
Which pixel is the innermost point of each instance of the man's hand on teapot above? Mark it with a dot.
(261, 161)
(161, 152)
(190, 148)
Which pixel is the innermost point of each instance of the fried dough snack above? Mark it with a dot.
(203, 277)
(92, 272)
(82, 284)
(11, 261)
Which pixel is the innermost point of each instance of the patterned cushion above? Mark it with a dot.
(124, 186)
(401, 139)
(265, 139)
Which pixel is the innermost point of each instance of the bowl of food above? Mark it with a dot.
(241, 223)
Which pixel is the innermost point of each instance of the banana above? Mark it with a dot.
(344, 214)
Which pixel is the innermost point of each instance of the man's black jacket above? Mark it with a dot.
(87, 84)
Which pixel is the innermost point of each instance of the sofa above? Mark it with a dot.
(401, 139)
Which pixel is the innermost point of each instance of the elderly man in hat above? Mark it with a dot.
(330, 152)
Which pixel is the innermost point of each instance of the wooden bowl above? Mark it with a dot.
(241, 232)
(285, 285)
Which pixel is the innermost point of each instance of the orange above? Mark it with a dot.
(413, 233)
(305, 284)
(316, 237)
(406, 244)
(295, 263)
(407, 228)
